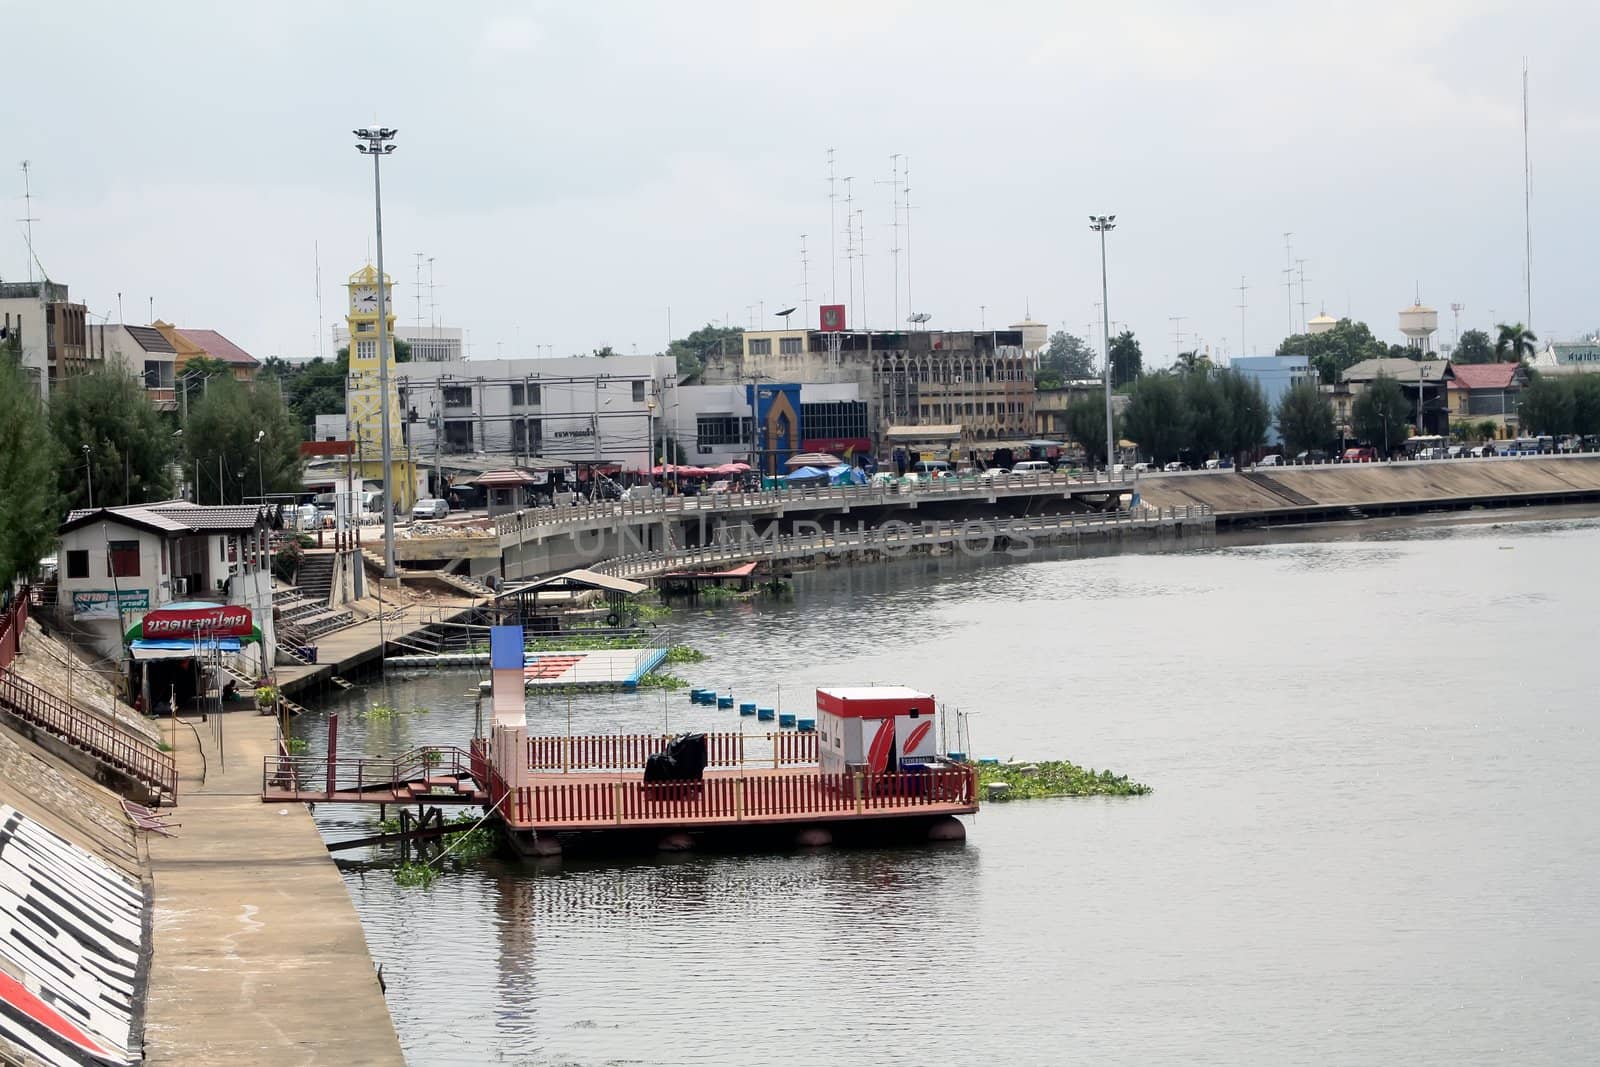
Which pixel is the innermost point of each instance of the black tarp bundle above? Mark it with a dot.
(683, 760)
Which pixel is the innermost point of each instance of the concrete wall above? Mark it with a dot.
(1361, 484)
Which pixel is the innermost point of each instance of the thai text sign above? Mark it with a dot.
(102, 603)
(224, 620)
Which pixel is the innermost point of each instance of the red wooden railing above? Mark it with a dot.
(133, 754)
(318, 776)
(738, 799)
(628, 752)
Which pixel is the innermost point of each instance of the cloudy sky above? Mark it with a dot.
(575, 170)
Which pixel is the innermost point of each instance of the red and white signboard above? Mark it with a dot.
(832, 318)
(224, 620)
(873, 728)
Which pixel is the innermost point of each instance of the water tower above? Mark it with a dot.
(1035, 335)
(1419, 324)
(1322, 323)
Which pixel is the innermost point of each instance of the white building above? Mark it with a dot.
(583, 410)
(144, 353)
(429, 344)
(49, 329)
(117, 564)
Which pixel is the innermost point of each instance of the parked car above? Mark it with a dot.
(1175, 466)
(1272, 459)
(1456, 451)
(1360, 455)
(1311, 455)
(992, 473)
(722, 485)
(430, 508)
(1031, 466)
(307, 517)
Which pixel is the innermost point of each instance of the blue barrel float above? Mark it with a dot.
(725, 701)
(765, 714)
(807, 726)
(956, 757)
(695, 695)
(707, 696)
(786, 720)
(988, 761)
(747, 709)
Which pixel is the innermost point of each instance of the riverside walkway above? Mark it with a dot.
(363, 643)
(259, 954)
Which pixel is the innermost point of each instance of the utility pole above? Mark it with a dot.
(1288, 277)
(1300, 264)
(377, 146)
(1177, 334)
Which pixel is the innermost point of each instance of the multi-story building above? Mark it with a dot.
(979, 380)
(189, 344)
(429, 344)
(50, 330)
(585, 410)
(717, 424)
(143, 352)
(1275, 375)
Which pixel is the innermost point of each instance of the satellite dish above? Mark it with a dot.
(786, 312)
(919, 318)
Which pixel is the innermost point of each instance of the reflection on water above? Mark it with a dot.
(1374, 836)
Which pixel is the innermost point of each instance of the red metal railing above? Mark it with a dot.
(318, 776)
(627, 752)
(12, 623)
(133, 754)
(737, 799)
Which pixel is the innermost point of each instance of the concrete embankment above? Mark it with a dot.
(1342, 491)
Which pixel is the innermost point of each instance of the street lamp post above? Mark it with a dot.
(1100, 224)
(261, 493)
(376, 144)
(88, 470)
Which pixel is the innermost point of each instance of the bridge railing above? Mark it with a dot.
(628, 752)
(898, 536)
(317, 775)
(738, 798)
(852, 495)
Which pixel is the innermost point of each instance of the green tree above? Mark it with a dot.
(1155, 417)
(222, 427)
(130, 444)
(1585, 403)
(1247, 413)
(30, 507)
(1548, 405)
(1086, 424)
(1514, 344)
(689, 353)
(402, 351)
(1127, 360)
(1207, 415)
(1068, 357)
(1474, 347)
(1190, 362)
(1305, 418)
(1380, 416)
(315, 387)
(207, 367)
(1334, 351)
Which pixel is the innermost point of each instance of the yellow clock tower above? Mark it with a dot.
(362, 398)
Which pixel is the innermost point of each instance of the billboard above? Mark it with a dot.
(102, 603)
(223, 620)
(778, 429)
(832, 318)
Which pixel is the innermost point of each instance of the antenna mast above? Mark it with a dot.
(1457, 309)
(1301, 265)
(28, 220)
(417, 288)
(1527, 199)
(316, 255)
(849, 244)
(805, 282)
(833, 230)
(911, 309)
(1243, 289)
(894, 228)
(1288, 276)
(1177, 334)
(861, 234)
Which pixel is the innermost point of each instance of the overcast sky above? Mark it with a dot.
(574, 170)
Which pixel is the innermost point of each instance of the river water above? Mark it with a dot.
(1374, 836)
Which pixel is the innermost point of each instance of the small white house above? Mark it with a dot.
(118, 564)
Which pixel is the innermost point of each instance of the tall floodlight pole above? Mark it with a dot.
(1100, 224)
(377, 146)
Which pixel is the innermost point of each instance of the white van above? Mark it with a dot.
(931, 468)
(1033, 467)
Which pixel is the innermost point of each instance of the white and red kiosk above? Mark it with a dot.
(874, 729)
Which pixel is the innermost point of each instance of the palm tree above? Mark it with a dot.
(1193, 361)
(1515, 344)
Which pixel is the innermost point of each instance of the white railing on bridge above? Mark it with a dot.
(903, 535)
(953, 488)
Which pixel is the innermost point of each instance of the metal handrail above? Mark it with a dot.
(626, 752)
(646, 563)
(141, 759)
(318, 775)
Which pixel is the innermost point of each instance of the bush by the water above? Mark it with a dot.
(1055, 778)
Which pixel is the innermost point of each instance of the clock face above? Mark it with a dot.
(364, 298)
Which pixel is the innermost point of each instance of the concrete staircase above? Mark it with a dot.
(315, 576)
